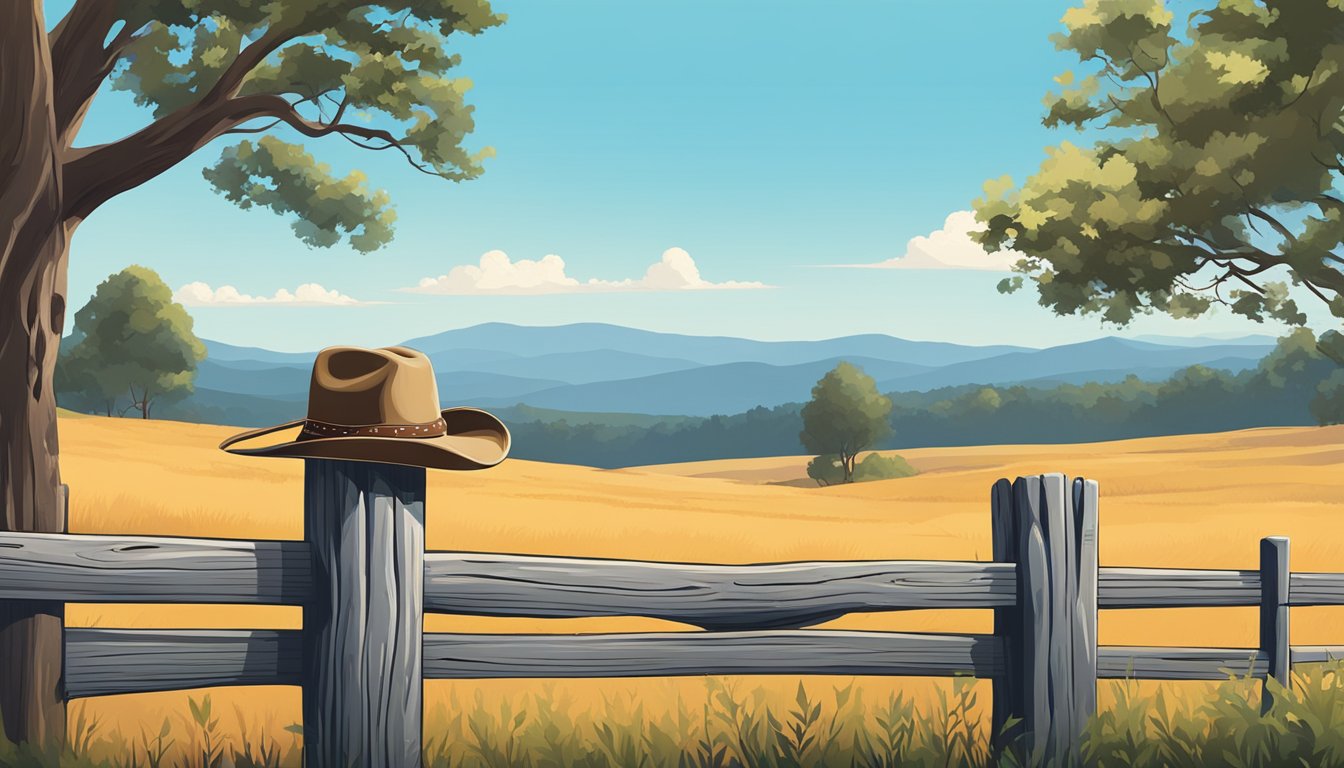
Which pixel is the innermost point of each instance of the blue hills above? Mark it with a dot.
(595, 367)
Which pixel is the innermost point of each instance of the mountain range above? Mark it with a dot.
(594, 367)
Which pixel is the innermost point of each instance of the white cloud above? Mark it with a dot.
(948, 248)
(200, 294)
(499, 275)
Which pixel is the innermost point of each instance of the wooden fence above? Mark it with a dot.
(364, 580)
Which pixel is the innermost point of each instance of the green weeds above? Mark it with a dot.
(735, 727)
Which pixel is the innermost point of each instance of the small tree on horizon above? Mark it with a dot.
(847, 415)
(136, 341)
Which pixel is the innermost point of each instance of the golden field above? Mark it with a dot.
(1193, 501)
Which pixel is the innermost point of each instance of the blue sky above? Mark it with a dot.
(762, 139)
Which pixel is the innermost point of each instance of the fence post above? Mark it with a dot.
(1086, 497)
(1006, 719)
(1052, 638)
(363, 626)
(1274, 614)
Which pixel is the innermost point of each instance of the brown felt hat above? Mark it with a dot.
(382, 405)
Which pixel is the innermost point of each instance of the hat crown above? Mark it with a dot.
(353, 386)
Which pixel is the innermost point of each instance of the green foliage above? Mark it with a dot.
(845, 416)
(380, 74)
(832, 726)
(826, 469)
(283, 177)
(1216, 168)
(877, 466)
(134, 341)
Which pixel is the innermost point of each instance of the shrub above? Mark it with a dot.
(876, 466)
(826, 469)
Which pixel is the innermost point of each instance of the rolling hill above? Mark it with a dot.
(1197, 501)
(592, 367)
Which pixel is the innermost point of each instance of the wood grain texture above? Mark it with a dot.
(716, 597)
(104, 662)
(1316, 589)
(152, 569)
(1061, 554)
(1084, 498)
(362, 691)
(1160, 663)
(1034, 604)
(1176, 588)
(672, 654)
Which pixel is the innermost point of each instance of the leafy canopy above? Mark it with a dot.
(134, 341)
(845, 416)
(379, 75)
(1215, 176)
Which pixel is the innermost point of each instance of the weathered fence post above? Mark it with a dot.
(1274, 614)
(1051, 634)
(363, 626)
(1006, 719)
(32, 702)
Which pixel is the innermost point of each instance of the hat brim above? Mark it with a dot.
(475, 440)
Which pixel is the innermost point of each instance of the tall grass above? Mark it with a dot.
(746, 728)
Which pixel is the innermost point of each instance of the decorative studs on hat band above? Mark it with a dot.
(317, 429)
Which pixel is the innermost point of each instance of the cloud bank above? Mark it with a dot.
(498, 275)
(948, 248)
(200, 294)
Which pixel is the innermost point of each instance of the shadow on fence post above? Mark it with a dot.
(1049, 530)
(362, 627)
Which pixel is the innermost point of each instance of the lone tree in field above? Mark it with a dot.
(377, 75)
(1218, 172)
(135, 341)
(847, 415)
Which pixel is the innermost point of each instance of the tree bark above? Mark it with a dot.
(33, 250)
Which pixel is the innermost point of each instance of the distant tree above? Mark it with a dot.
(1298, 365)
(78, 385)
(826, 469)
(1216, 175)
(136, 341)
(846, 415)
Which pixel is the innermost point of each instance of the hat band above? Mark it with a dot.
(316, 429)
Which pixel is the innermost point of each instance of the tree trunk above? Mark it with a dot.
(33, 249)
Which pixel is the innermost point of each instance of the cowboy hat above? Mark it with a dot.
(382, 405)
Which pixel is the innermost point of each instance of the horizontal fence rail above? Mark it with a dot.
(102, 662)
(152, 569)
(671, 654)
(164, 569)
(717, 597)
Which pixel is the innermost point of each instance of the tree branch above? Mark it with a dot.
(80, 62)
(94, 175)
(247, 60)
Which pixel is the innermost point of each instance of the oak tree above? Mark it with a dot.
(1214, 176)
(134, 341)
(378, 75)
(846, 415)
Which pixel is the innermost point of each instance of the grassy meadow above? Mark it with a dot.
(1192, 501)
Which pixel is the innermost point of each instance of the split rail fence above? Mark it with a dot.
(364, 581)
